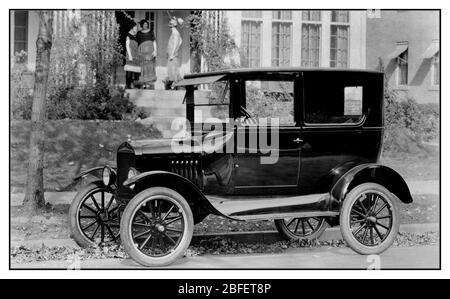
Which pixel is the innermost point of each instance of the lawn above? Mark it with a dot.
(422, 167)
(71, 146)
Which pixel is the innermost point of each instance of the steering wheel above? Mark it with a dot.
(246, 113)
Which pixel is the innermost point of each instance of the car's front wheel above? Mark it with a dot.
(156, 227)
(94, 215)
(369, 219)
(308, 228)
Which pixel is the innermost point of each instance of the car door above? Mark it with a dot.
(333, 130)
(267, 153)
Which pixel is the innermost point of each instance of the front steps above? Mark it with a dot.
(163, 107)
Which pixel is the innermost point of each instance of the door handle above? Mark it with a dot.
(298, 140)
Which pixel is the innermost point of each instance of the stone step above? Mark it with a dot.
(161, 98)
(165, 111)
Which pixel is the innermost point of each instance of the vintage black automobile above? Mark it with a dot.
(313, 164)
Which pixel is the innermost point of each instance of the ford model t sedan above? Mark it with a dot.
(296, 146)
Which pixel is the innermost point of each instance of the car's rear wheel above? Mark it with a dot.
(308, 228)
(156, 227)
(369, 219)
(94, 216)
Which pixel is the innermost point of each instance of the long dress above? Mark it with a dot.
(133, 61)
(133, 64)
(145, 40)
(173, 53)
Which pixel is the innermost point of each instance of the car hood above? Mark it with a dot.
(200, 144)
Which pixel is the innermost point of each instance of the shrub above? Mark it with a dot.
(215, 44)
(92, 102)
(21, 87)
(82, 69)
(408, 124)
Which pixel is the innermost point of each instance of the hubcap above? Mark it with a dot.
(371, 220)
(160, 228)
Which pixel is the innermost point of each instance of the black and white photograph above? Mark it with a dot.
(224, 139)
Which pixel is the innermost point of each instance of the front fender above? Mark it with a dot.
(91, 171)
(194, 196)
(88, 171)
(375, 173)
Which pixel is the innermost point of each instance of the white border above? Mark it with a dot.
(211, 274)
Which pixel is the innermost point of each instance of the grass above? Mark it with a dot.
(71, 146)
(422, 167)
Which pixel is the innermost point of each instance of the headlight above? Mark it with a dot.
(108, 176)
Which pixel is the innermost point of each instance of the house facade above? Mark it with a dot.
(24, 29)
(309, 38)
(319, 38)
(407, 44)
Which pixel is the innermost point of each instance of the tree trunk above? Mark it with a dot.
(34, 197)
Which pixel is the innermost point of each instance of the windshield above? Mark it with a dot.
(212, 102)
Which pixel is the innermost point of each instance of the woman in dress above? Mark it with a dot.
(148, 52)
(173, 51)
(133, 64)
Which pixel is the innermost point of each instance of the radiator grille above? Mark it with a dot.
(186, 168)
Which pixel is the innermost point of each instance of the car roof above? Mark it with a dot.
(267, 70)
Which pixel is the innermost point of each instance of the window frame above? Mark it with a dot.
(337, 25)
(308, 22)
(152, 22)
(309, 60)
(436, 59)
(401, 60)
(25, 27)
(310, 15)
(360, 122)
(280, 23)
(287, 77)
(340, 22)
(259, 22)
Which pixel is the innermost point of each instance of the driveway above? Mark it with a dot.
(423, 257)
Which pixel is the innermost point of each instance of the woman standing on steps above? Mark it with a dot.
(148, 51)
(133, 64)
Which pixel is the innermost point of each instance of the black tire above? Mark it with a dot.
(159, 215)
(89, 224)
(369, 212)
(308, 228)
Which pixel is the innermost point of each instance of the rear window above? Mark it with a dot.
(333, 98)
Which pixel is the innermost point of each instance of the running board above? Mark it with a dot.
(273, 207)
(287, 215)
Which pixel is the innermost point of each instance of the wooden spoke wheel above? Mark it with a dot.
(94, 216)
(157, 227)
(369, 219)
(308, 228)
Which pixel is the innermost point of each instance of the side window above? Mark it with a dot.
(341, 102)
(212, 101)
(270, 99)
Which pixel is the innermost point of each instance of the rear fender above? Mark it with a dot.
(198, 202)
(374, 173)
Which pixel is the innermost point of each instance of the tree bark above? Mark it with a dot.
(34, 197)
